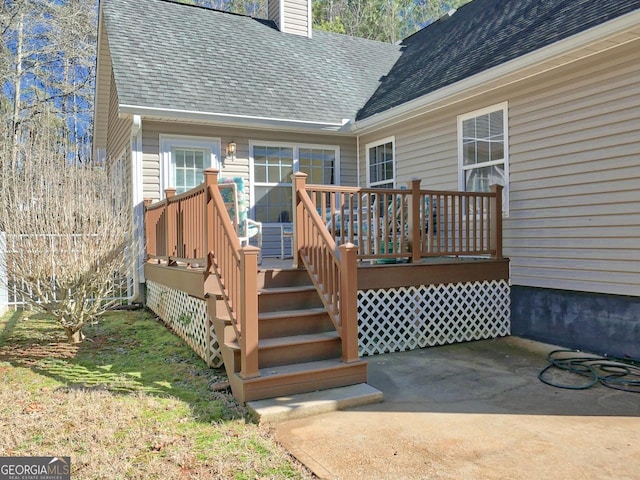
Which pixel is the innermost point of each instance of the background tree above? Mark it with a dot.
(384, 20)
(47, 58)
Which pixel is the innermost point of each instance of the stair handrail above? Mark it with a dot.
(236, 269)
(333, 270)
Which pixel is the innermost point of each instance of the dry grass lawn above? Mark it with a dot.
(133, 401)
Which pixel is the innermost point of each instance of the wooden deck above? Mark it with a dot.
(429, 271)
(379, 271)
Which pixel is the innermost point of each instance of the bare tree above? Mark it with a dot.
(47, 59)
(68, 226)
(385, 20)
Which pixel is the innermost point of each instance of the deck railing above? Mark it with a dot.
(175, 227)
(334, 227)
(410, 223)
(332, 269)
(195, 228)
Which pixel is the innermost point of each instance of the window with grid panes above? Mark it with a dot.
(183, 159)
(380, 164)
(483, 150)
(273, 166)
(188, 164)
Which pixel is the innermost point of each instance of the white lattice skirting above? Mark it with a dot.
(403, 319)
(188, 317)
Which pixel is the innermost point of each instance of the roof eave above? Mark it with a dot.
(99, 137)
(471, 86)
(235, 120)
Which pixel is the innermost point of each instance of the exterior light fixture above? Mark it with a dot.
(231, 150)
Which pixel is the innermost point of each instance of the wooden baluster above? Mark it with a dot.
(210, 182)
(170, 224)
(496, 217)
(150, 241)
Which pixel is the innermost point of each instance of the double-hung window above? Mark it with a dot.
(381, 163)
(272, 167)
(483, 150)
(185, 158)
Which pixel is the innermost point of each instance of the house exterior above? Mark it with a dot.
(541, 97)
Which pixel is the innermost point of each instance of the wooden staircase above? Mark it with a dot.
(299, 348)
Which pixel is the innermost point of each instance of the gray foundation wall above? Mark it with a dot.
(598, 323)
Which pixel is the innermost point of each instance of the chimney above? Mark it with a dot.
(291, 16)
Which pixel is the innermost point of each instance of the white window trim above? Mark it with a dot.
(504, 106)
(167, 142)
(296, 160)
(377, 143)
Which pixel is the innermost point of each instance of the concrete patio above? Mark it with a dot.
(472, 411)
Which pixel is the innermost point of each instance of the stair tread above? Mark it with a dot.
(298, 339)
(291, 313)
(292, 289)
(291, 340)
(294, 368)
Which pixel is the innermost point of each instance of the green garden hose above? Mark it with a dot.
(618, 373)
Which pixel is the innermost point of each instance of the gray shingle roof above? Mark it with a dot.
(481, 35)
(174, 56)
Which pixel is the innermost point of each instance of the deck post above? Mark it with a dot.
(170, 224)
(249, 312)
(496, 220)
(414, 221)
(349, 302)
(147, 231)
(210, 181)
(299, 184)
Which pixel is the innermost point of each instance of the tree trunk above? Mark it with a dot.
(74, 336)
(15, 121)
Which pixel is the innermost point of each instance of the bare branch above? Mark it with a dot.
(68, 230)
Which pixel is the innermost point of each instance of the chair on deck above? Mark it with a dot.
(398, 215)
(232, 191)
(358, 224)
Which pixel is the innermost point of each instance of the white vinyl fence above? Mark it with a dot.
(4, 294)
(14, 291)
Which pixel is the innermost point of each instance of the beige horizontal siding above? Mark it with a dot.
(575, 171)
(151, 132)
(118, 133)
(103, 91)
(424, 149)
(119, 137)
(296, 17)
(150, 163)
(273, 10)
(574, 141)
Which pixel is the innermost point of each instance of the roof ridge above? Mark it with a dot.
(204, 7)
(359, 39)
(442, 18)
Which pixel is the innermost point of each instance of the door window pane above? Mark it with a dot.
(273, 167)
(318, 164)
(272, 204)
(188, 164)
